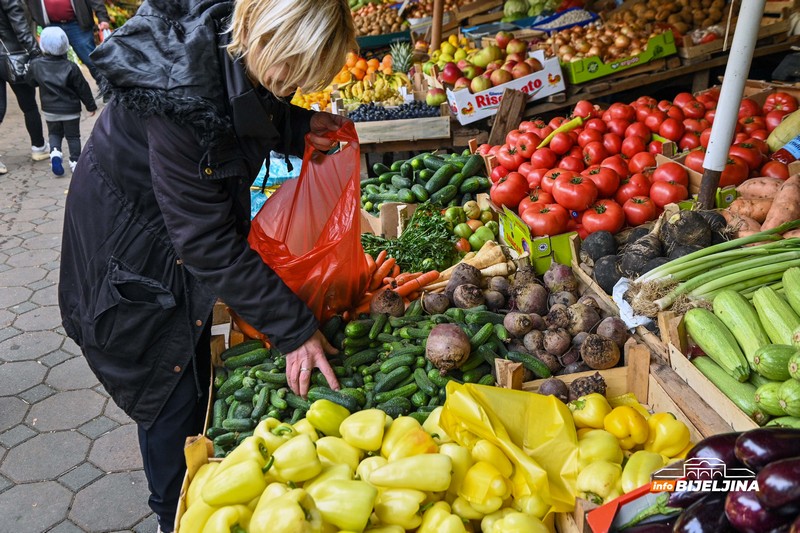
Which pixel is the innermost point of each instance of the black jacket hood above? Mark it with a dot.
(151, 64)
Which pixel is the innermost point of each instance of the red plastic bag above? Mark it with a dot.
(309, 231)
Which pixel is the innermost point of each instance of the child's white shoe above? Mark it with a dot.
(56, 162)
(72, 165)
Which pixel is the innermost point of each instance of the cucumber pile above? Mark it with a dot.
(444, 180)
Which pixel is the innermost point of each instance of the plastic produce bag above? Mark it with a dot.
(535, 432)
(309, 231)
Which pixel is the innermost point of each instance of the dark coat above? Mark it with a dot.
(62, 86)
(158, 209)
(15, 28)
(84, 12)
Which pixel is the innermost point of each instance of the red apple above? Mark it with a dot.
(435, 96)
(515, 57)
(462, 64)
(516, 46)
(502, 38)
(508, 65)
(520, 70)
(534, 63)
(450, 73)
(479, 83)
(492, 66)
(461, 83)
(500, 76)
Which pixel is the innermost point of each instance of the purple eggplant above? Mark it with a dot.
(779, 483)
(747, 514)
(684, 498)
(717, 447)
(662, 527)
(704, 515)
(759, 447)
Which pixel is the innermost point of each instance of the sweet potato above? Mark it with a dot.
(791, 234)
(759, 188)
(743, 225)
(755, 208)
(786, 206)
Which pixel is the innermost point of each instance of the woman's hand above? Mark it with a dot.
(303, 360)
(321, 123)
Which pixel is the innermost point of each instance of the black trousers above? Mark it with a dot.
(71, 129)
(162, 445)
(26, 98)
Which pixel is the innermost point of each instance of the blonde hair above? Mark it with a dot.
(311, 37)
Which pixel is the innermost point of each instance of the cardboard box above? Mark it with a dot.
(590, 68)
(468, 107)
(391, 221)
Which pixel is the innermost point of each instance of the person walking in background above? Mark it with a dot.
(16, 36)
(76, 18)
(62, 88)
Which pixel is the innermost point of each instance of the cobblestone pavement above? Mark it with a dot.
(69, 457)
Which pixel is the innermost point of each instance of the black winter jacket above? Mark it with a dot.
(84, 12)
(158, 209)
(62, 86)
(15, 28)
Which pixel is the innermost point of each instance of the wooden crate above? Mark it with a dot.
(778, 6)
(524, 34)
(477, 10)
(412, 129)
(771, 27)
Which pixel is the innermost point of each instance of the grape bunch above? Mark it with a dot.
(372, 111)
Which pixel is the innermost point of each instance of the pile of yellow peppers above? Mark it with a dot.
(340, 473)
(619, 430)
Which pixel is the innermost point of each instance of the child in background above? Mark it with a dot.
(62, 88)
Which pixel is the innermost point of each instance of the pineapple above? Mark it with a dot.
(401, 56)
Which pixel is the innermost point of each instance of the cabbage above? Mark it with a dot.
(541, 7)
(515, 9)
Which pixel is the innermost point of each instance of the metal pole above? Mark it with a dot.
(730, 98)
(436, 27)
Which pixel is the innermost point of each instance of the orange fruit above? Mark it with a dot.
(387, 60)
(352, 58)
(358, 73)
(373, 63)
(370, 70)
(387, 71)
(362, 64)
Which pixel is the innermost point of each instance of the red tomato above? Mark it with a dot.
(667, 192)
(510, 190)
(694, 160)
(749, 153)
(773, 118)
(741, 136)
(664, 105)
(639, 209)
(525, 168)
(705, 136)
(775, 169)
(535, 177)
(549, 178)
(636, 185)
(605, 215)
(575, 193)
(654, 119)
(760, 144)
(633, 145)
(735, 172)
(605, 179)
(532, 125)
(753, 123)
(483, 149)
(561, 143)
(535, 196)
(527, 143)
(672, 129)
(671, 172)
(697, 125)
(612, 142)
(689, 141)
(781, 101)
(709, 100)
(509, 157)
(676, 113)
(545, 220)
(748, 108)
(589, 135)
(595, 124)
(544, 158)
(618, 126)
(641, 161)
(646, 100)
(570, 162)
(759, 134)
(498, 172)
(594, 153)
(555, 122)
(512, 137)
(618, 164)
(655, 147)
(694, 109)
(638, 129)
(620, 111)
(585, 109)
(710, 114)
(643, 111)
(575, 151)
(462, 245)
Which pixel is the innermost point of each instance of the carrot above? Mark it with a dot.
(389, 281)
(381, 258)
(414, 296)
(406, 277)
(755, 208)
(786, 206)
(382, 272)
(395, 271)
(371, 266)
(417, 284)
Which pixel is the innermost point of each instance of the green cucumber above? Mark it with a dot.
(470, 185)
(357, 394)
(238, 424)
(440, 178)
(297, 402)
(404, 391)
(484, 317)
(424, 383)
(230, 386)
(396, 361)
(502, 333)
(251, 358)
(324, 393)
(397, 406)
(226, 439)
(405, 196)
(487, 353)
(419, 399)
(276, 401)
(443, 195)
(472, 376)
(433, 163)
(331, 326)
(381, 320)
(215, 431)
(488, 379)
(415, 309)
(245, 394)
(438, 379)
(531, 363)
(407, 172)
(218, 412)
(483, 334)
(392, 379)
(260, 403)
(358, 328)
(241, 348)
(278, 378)
(420, 193)
(364, 357)
(243, 410)
(400, 182)
(380, 168)
(473, 361)
(473, 166)
(456, 179)
(395, 166)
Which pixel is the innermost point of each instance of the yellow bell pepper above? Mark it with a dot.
(405, 438)
(386, 529)
(463, 509)
(485, 488)
(334, 450)
(533, 505)
(638, 469)
(345, 503)
(297, 460)
(273, 491)
(431, 425)
(486, 451)
(369, 465)
(225, 519)
(516, 522)
(462, 460)
(253, 447)
(438, 519)
(326, 417)
(303, 426)
(341, 471)
(681, 454)
(668, 436)
(630, 400)
(273, 433)
(627, 425)
(598, 445)
(237, 484)
(589, 411)
(292, 512)
(196, 516)
(202, 475)
(488, 521)
(427, 472)
(364, 429)
(399, 507)
(599, 482)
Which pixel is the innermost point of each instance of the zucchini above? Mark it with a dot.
(424, 383)
(441, 178)
(716, 341)
(741, 394)
(443, 195)
(239, 349)
(772, 361)
(794, 366)
(791, 288)
(324, 393)
(406, 391)
(420, 193)
(251, 358)
(238, 424)
(766, 397)
(392, 379)
(758, 380)
(395, 407)
(397, 361)
(777, 316)
(741, 319)
(483, 334)
(785, 422)
(530, 362)
(789, 397)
